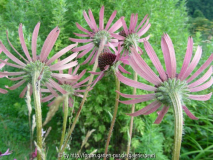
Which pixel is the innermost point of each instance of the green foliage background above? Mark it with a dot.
(166, 16)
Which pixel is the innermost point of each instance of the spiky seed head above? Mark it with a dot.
(106, 58)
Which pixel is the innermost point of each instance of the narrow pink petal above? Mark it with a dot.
(67, 76)
(57, 86)
(202, 87)
(23, 44)
(93, 21)
(143, 68)
(189, 113)
(82, 82)
(144, 30)
(124, 26)
(141, 23)
(75, 71)
(85, 51)
(15, 79)
(81, 35)
(123, 70)
(15, 49)
(62, 67)
(204, 78)
(88, 21)
(110, 20)
(166, 56)
(77, 49)
(47, 98)
(89, 57)
(3, 63)
(144, 39)
(23, 92)
(134, 96)
(12, 57)
(9, 64)
(117, 36)
(95, 73)
(11, 73)
(172, 55)
(142, 99)
(193, 64)
(81, 74)
(82, 29)
(145, 109)
(94, 58)
(132, 20)
(115, 26)
(16, 85)
(60, 53)
(45, 90)
(49, 86)
(161, 115)
(3, 91)
(49, 43)
(80, 40)
(66, 60)
(187, 58)
(133, 83)
(153, 109)
(101, 18)
(200, 97)
(203, 67)
(135, 22)
(97, 79)
(154, 58)
(34, 40)
(71, 102)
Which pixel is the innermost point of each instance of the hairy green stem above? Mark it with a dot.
(178, 114)
(133, 110)
(64, 120)
(100, 49)
(37, 104)
(114, 115)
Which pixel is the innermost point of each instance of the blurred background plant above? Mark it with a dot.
(178, 18)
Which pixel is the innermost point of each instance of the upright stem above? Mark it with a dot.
(114, 115)
(100, 49)
(178, 114)
(133, 110)
(37, 104)
(64, 120)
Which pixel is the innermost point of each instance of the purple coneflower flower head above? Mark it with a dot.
(95, 36)
(168, 81)
(39, 63)
(107, 61)
(72, 87)
(132, 36)
(6, 153)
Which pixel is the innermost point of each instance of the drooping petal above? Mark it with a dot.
(23, 92)
(3, 91)
(88, 21)
(47, 98)
(82, 82)
(161, 115)
(3, 62)
(131, 23)
(34, 40)
(187, 58)
(97, 79)
(153, 109)
(203, 67)
(49, 43)
(93, 20)
(145, 109)
(15, 79)
(202, 79)
(77, 49)
(85, 51)
(144, 30)
(123, 70)
(101, 18)
(66, 66)
(141, 23)
(54, 93)
(57, 86)
(117, 36)
(81, 35)
(110, 20)
(202, 87)
(94, 58)
(133, 96)
(82, 29)
(124, 26)
(193, 64)
(200, 97)
(16, 85)
(11, 73)
(189, 113)
(60, 53)
(142, 99)
(133, 83)
(12, 57)
(66, 76)
(80, 40)
(9, 64)
(115, 26)
(23, 44)
(75, 71)
(154, 58)
(89, 57)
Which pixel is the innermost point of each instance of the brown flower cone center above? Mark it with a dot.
(105, 59)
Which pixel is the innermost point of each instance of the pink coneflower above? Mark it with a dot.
(95, 36)
(72, 87)
(6, 153)
(39, 63)
(1, 76)
(168, 81)
(108, 60)
(132, 36)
